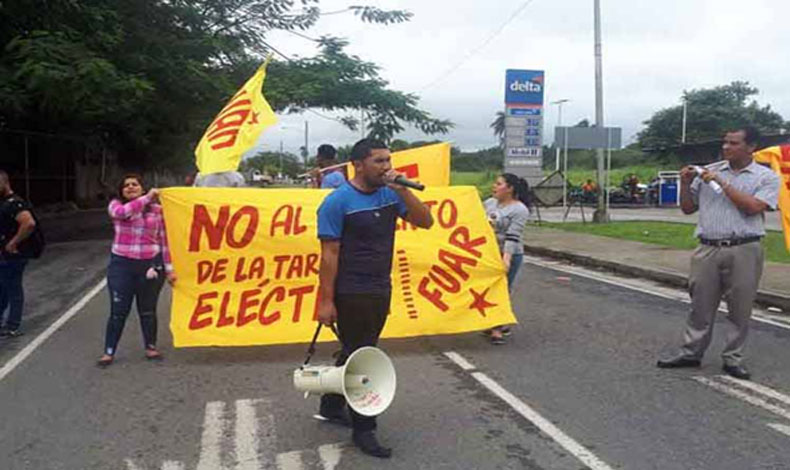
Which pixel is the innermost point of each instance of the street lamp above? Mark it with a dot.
(559, 104)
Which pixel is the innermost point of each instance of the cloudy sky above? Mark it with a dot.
(454, 53)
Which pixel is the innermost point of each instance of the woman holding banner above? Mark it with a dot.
(139, 262)
(507, 211)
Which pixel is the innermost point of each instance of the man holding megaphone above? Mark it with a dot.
(356, 226)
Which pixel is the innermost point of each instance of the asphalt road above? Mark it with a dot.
(576, 387)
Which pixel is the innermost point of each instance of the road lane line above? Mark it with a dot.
(290, 460)
(567, 442)
(741, 395)
(173, 465)
(783, 428)
(210, 441)
(564, 440)
(130, 465)
(39, 340)
(761, 389)
(459, 360)
(757, 315)
(254, 450)
(246, 435)
(330, 455)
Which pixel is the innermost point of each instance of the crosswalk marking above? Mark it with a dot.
(210, 442)
(330, 455)
(744, 396)
(172, 465)
(783, 428)
(254, 442)
(761, 389)
(290, 460)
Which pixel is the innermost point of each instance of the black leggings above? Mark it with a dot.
(360, 319)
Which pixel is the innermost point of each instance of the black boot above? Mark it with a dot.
(367, 443)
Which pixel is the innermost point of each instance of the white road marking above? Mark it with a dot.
(783, 428)
(567, 442)
(664, 292)
(246, 435)
(761, 389)
(744, 396)
(31, 347)
(166, 465)
(290, 460)
(210, 441)
(330, 455)
(130, 465)
(459, 360)
(173, 465)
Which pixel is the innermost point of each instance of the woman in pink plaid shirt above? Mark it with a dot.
(139, 263)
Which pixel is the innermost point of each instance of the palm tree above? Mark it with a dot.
(499, 126)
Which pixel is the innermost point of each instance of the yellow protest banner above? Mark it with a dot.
(779, 158)
(247, 264)
(429, 165)
(236, 128)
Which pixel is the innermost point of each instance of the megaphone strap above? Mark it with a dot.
(311, 349)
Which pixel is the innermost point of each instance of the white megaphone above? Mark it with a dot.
(367, 380)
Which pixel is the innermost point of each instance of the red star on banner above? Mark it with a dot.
(480, 303)
(254, 119)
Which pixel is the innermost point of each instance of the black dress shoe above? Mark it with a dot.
(739, 372)
(367, 443)
(678, 362)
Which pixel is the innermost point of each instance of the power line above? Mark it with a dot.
(488, 40)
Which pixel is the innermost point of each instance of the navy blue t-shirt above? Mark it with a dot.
(364, 223)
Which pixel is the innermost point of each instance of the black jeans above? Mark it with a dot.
(127, 282)
(360, 319)
(12, 295)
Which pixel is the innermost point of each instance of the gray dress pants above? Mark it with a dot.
(732, 273)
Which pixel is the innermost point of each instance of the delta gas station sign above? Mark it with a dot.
(524, 123)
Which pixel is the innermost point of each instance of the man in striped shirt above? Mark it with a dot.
(732, 196)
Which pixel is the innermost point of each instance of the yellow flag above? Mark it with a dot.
(429, 165)
(248, 263)
(779, 158)
(236, 128)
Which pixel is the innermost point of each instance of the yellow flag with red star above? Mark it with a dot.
(779, 159)
(236, 128)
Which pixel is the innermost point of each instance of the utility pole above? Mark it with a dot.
(559, 104)
(306, 141)
(685, 116)
(600, 215)
(280, 170)
(361, 123)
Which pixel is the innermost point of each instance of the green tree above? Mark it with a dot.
(481, 160)
(710, 112)
(146, 76)
(498, 125)
(270, 162)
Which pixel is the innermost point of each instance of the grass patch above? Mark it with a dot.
(645, 173)
(675, 235)
(576, 177)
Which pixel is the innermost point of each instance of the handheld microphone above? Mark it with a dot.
(401, 180)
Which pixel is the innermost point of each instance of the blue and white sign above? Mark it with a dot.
(524, 87)
(523, 137)
(524, 111)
